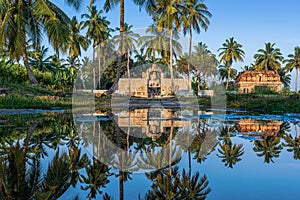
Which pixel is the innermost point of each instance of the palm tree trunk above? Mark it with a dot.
(128, 72)
(199, 81)
(94, 72)
(171, 61)
(121, 185)
(170, 153)
(99, 66)
(190, 52)
(228, 77)
(81, 73)
(31, 77)
(32, 127)
(296, 83)
(113, 87)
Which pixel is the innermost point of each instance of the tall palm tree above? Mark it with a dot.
(155, 42)
(109, 5)
(231, 51)
(129, 45)
(293, 62)
(196, 16)
(76, 43)
(204, 62)
(168, 15)
(268, 58)
(26, 20)
(98, 31)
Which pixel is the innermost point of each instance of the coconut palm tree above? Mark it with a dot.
(269, 147)
(129, 45)
(268, 58)
(223, 72)
(195, 17)
(108, 6)
(98, 31)
(167, 14)
(230, 153)
(97, 177)
(204, 63)
(26, 20)
(293, 62)
(293, 143)
(229, 53)
(40, 61)
(285, 77)
(155, 42)
(77, 42)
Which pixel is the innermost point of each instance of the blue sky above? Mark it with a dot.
(251, 23)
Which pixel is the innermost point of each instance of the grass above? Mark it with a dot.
(267, 103)
(18, 102)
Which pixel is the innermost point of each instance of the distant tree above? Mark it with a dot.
(231, 51)
(268, 58)
(293, 62)
(41, 61)
(195, 17)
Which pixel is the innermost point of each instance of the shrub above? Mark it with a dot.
(263, 90)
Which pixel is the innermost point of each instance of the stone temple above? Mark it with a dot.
(152, 83)
(247, 81)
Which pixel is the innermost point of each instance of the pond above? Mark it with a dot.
(149, 153)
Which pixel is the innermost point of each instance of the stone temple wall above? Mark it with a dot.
(248, 80)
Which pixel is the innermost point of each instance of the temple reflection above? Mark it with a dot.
(152, 122)
(258, 128)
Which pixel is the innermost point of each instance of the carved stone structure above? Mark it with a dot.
(251, 127)
(152, 83)
(248, 80)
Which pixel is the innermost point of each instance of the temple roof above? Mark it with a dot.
(258, 76)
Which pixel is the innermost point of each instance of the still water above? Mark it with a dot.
(150, 153)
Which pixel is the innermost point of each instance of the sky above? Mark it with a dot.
(252, 24)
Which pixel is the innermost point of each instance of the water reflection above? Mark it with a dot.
(50, 156)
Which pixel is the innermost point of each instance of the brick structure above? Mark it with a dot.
(152, 83)
(248, 80)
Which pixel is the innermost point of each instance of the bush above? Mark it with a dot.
(263, 90)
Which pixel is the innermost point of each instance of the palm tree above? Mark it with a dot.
(268, 58)
(231, 51)
(285, 77)
(98, 31)
(76, 43)
(156, 43)
(223, 72)
(230, 153)
(293, 144)
(97, 177)
(168, 15)
(129, 44)
(195, 17)
(204, 63)
(40, 61)
(269, 147)
(25, 20)
(109, 5)
(293, 62)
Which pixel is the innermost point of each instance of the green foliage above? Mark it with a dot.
(17, 102)
(263, 90)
